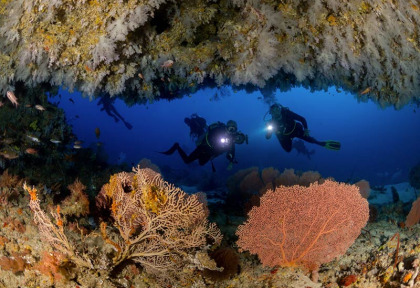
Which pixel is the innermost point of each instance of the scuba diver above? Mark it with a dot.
(217, 139)
(288, 125)
(198, 126)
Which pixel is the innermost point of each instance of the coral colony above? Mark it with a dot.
(110, 228)
(158, 48)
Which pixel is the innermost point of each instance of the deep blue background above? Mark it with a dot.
(379, 145)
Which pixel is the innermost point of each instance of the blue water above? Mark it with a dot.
(379, 145)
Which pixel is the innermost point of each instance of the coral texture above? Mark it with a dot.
(77, 203)
(369, 47)
(159, 223)
(413, 216)
(304, 226)
(155, 224)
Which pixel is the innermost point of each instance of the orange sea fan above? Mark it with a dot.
(413, 216)
(364, 188)
(304, 226)
(287, 178)
(251, 183)
(269, 174)
(309, 177)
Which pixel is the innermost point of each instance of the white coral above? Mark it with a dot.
(104, 51)
(118, 29)
(138, 17)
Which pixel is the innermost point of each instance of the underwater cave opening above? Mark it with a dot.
(378, 144)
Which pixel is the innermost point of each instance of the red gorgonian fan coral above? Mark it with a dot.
(304, 226)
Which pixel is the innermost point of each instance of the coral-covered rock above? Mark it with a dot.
(77, 203)
(111, 46)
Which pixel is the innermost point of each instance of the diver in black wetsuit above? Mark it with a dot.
(198, 126)
(288, 125)
(108, 106)
(218, 139)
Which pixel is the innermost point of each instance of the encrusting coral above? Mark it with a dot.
(157, 48)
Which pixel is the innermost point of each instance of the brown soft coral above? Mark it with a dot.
(77, 204)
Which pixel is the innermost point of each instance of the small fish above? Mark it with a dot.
(167, 64)
(77, 146)
(39, 107)
(28, 105)
(78, 142)
(55, 141)
(141, 76)
(366, 91)
(71, 100)
(9, 154)
(33, 138)
(12, 98)
(31, 151)
(97, 132)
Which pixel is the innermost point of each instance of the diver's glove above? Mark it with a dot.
(306, 132)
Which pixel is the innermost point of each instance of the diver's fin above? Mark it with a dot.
(212, 167)
(332, 145)
(171, 150)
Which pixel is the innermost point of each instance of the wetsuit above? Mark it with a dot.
(216, 141)
(288, 126)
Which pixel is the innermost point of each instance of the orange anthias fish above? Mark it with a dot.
(12, 98)
(366, 91)
(31, 151)
(97, 132)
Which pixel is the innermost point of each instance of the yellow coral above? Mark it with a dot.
(332, 20)
(112, 185)
(154, 198)
(364, 7)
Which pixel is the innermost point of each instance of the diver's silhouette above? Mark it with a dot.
(198, 126)
(300, 148)
(108, 106)
(218, 139)
(288, 125)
